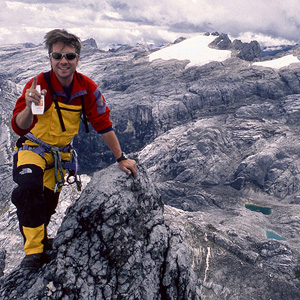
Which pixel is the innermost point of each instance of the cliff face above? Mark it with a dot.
(232, 258)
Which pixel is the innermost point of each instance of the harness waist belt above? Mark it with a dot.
(58, 164)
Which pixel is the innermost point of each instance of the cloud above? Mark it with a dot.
(132, 21)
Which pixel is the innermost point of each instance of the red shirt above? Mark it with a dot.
(96, 109)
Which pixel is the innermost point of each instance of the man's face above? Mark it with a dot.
(64, 68)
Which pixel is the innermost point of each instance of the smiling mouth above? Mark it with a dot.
(63, 68)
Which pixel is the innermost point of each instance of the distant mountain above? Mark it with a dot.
(217, 139)
(272, 51)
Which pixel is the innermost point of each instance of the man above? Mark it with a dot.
(44, 150)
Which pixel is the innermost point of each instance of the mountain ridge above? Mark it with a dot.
(213, 138)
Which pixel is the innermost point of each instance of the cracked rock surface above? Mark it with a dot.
(112, 244)
(231, 257)
(2, 261)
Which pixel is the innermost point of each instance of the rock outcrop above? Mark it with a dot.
(222, 42)
(8, 94)
(112, 244)
(246, 51)
(2, 261)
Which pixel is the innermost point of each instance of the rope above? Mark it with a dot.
(58, 166)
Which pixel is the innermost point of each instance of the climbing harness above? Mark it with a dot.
(58, 164)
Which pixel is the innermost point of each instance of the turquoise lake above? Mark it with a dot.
(262, 209)
(274, 236)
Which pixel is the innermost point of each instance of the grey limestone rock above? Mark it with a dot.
(234, 261)
(112, 244)
(8, 92)
(221, 42)
(248, 51)
(2, 261)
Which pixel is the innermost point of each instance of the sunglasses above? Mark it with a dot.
(59, 56)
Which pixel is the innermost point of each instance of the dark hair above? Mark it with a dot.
(60, 35)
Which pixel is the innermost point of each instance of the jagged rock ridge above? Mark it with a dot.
(247, 51)
(112, 244)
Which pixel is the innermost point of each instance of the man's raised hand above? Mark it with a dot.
(32, 95)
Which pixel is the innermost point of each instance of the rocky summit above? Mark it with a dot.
(112, 244)
(214, 213)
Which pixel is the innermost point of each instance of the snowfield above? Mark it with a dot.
(197, 51)
(194, 49)
(279, 62)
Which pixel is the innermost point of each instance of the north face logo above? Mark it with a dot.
(25, 171)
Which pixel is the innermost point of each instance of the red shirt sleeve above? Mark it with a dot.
(96, 108)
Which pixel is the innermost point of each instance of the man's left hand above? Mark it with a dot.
(129, 166)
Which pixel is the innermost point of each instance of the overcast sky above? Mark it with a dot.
(154, 21)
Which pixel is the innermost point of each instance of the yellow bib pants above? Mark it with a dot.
(34, 196)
